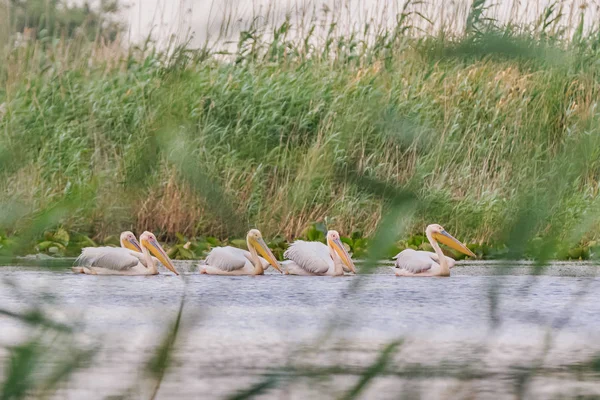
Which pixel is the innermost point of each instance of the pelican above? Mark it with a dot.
(410, 262)
(123, 261)
(315, 258)
(233, 261)
(129, 241)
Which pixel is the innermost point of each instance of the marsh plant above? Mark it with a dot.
(464, 121)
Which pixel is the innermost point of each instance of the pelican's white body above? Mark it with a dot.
(112, 261)
(231, 261)
(411, 262)
(312, 258)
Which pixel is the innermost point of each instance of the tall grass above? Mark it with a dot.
(201, 142)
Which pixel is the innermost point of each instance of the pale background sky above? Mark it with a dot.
(181, 17)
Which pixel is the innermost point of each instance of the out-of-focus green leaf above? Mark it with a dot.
(239, 243)
(62, 236)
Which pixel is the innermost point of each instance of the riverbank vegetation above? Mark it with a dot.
(483, 131)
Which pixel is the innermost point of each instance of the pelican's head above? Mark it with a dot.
(255, 240)
(128, 241)
(334, 242)
(149, 241)
(438, 233)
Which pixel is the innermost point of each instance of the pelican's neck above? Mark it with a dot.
(122, 243)
(258, 267)
(445, 270)
(149, 260)
(338, 269)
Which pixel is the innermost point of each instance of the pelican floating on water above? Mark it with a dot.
(233, 261)
(126, 260)
(410, 262)
(315, 258)
(129, 241)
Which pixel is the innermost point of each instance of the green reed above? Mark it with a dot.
(203, 143)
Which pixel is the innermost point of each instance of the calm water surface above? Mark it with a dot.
(236, 329)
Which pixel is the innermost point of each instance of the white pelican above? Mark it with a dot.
(129, 241)
(410, 262)
(233, 261)
(123, 261)
(315, 258)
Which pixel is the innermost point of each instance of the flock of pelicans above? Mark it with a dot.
(302, 258)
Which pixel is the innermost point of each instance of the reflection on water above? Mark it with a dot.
(240, 327)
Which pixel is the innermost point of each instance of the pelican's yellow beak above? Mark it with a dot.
(449, 240)
(339, 248)
(265, 252)
(133, 244)
(156, 249)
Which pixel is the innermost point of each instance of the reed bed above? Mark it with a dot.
(469, 118)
